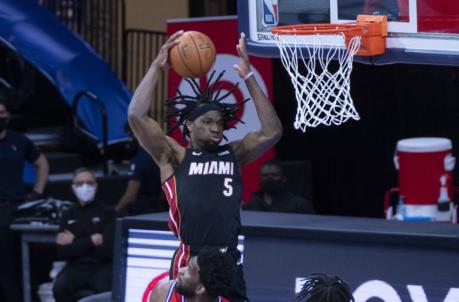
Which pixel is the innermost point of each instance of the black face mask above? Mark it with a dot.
(3, 123)
(270, 185)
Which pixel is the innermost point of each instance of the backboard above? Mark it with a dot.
(419, 31)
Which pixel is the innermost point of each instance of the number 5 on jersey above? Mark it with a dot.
(228, 191)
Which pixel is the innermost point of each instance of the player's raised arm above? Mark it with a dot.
(254, 144)
(146, 129)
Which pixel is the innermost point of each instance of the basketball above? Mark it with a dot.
(193, 56)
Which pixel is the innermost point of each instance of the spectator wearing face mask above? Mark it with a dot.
(273, 197)
(85, 241)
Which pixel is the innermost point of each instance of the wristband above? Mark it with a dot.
(247, 76)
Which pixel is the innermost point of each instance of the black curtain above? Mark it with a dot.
(352, 164)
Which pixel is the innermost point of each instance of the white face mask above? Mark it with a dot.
(85, 193)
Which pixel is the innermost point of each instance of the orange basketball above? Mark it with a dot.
(193, 56)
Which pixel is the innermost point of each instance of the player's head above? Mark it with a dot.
(84, 185)
(206, 131)
(204, 116)
(4, 116)
(272, 176)
(207, 274)
(322, 288)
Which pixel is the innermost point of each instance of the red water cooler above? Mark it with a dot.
(425, 172)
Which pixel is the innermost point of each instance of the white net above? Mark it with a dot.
(323, 95)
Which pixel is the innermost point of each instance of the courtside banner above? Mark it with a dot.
(224, 33)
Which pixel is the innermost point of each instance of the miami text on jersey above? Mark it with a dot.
(211, 167)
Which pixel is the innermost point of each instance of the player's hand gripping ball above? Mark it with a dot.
(193, 56)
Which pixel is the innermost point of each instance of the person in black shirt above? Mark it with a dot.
(85, 241)
(15, 150)
(143, 191)
(203, 183)
(273, 197)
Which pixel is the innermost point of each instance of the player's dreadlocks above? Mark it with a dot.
(188, 107)
(322, 288)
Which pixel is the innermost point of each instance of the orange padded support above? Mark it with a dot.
(374, 35)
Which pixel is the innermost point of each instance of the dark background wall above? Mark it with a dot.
(352, 164)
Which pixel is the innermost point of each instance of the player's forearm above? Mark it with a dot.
(42, 167)
(271, 126)
(140, 103)
(132, 190)
(126, 200)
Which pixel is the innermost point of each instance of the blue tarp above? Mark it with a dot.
(67, 61)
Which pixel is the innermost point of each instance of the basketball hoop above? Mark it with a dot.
(323, 95)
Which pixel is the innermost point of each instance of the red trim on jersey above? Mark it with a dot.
(173, 295)
(170, 189)
(181, 259)
(152, 285)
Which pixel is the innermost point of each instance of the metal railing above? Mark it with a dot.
(139, 50)
(99, 22)
(129, 52)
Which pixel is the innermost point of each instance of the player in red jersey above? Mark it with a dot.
(206, 278)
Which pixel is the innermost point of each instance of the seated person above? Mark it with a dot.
(85, 241)
(143, 192)
(206, 278)
(322, 288)
(273, 197)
